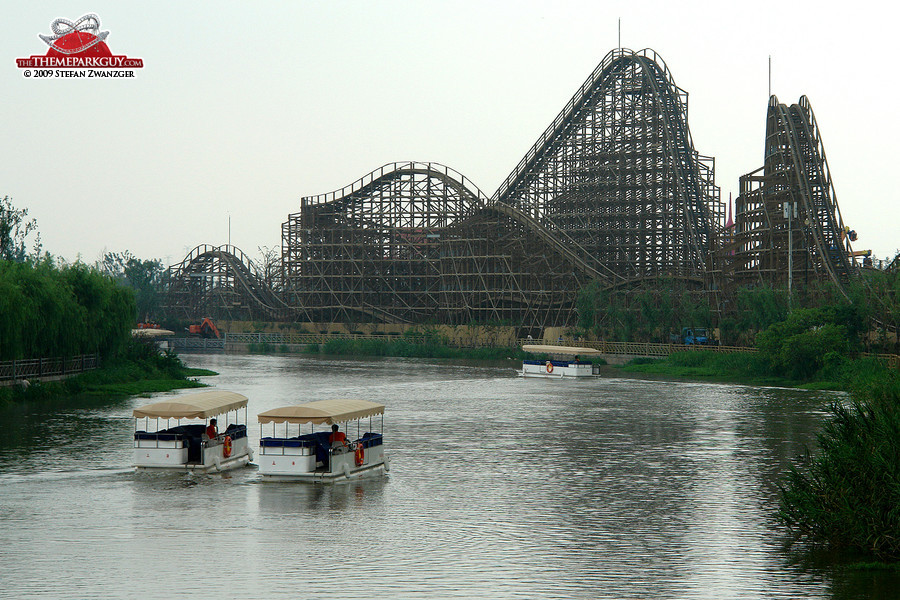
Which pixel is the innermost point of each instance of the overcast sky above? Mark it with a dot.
(242, 108)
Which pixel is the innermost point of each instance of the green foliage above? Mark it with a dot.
(846, 496)
(797, 347)
(144, 277)
(645, 360)
(744, 367)
(15, 228)
(48, 311)
(138, 368)
(646, 314)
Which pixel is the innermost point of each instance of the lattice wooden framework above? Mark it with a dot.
(613, 190)
(809, 244)
(616, 175)
(372, 250)
(222, 282)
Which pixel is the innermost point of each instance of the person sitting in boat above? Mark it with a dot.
(337, 439)
(211, 431)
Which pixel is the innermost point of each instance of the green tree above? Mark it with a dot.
(15, 227)
(142, 276)
(47, 310)
(797, 347)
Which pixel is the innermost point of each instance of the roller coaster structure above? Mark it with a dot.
(787, 221)
(222, 282)
(616, 175)
(613, 191)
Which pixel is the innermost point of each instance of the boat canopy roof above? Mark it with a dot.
(323, 411)
(152, 333)
(573, 350)
(200, 405)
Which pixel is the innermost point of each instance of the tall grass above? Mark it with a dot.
(845, 496)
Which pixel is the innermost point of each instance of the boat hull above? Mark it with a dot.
(371, 471)
(556, 369)
(292, 460)
(154, 454)
(227, 465)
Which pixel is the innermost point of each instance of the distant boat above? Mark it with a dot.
(561, 366)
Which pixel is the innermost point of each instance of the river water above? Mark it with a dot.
(499, 488)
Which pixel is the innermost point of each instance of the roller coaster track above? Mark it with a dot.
(794, 135)
(373, 247)
(670, 102)
(552, 240)
(612, 191)
(208, 271)
(361, 190)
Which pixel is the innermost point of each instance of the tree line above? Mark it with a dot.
(49, 308)
(869, 312)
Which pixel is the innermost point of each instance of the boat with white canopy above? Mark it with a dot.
(318, 456)
(175, 434)
(565, 362)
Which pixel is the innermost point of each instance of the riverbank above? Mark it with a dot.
(138, 371)
(838, 373)
(745, 369)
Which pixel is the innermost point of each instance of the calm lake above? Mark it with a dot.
(499, 488)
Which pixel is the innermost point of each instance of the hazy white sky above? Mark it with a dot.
(242, 108)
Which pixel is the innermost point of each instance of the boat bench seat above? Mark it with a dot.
(235, 431)
(166, 437)
(370, 439)
(270, 442)
(555, 363)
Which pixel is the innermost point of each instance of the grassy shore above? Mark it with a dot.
(839, 373)
(745, 368)
(139, 371)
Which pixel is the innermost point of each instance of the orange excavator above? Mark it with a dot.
(206, 329)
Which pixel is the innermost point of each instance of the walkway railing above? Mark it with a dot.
(321, 338)
(650, 349)
(36, 368)
(197, 344)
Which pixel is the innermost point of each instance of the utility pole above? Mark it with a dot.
(790, 212)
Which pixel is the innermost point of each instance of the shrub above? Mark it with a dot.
(846, 496)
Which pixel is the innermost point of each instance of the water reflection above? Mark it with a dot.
(499, 488)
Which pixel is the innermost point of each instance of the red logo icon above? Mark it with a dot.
(78, 45)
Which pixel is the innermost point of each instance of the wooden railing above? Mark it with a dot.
(36, 368)
(651, 349)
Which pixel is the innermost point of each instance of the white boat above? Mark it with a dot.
(183, 445)
(310, 457)
(560, 366)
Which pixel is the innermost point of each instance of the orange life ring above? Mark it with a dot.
(549, 367)
(360, 454)
(226, 446)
